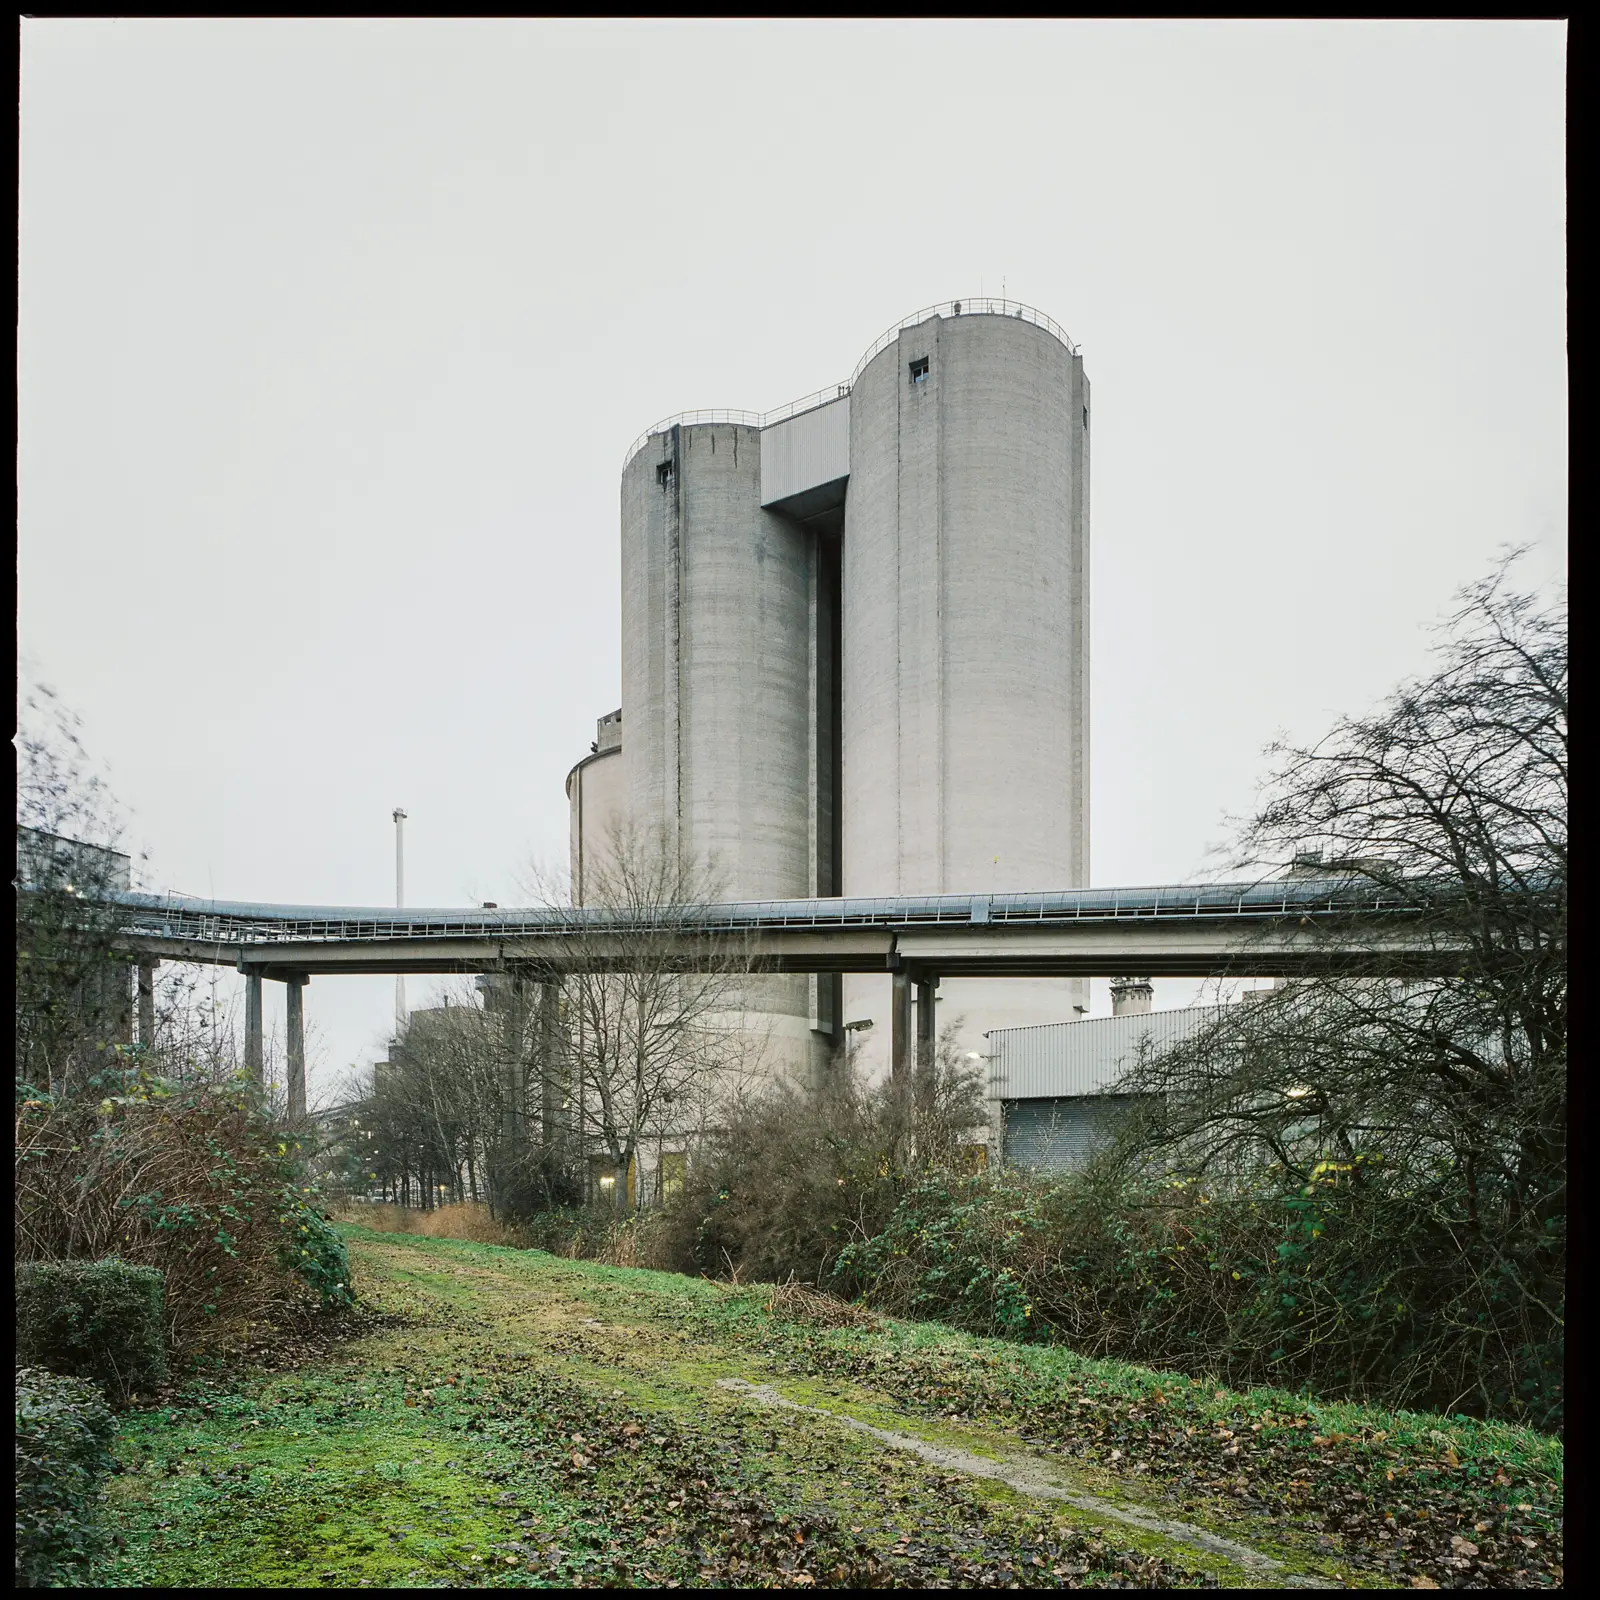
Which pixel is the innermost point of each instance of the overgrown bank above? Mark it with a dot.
(1333, 1287)
(512, 1419)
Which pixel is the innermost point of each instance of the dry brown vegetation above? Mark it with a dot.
(470, 1220)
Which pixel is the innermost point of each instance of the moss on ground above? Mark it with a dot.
(514, 1419)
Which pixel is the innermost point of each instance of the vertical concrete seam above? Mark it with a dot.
(899, 622)
(936, 354)
(675, 640)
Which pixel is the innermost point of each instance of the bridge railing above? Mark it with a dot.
(225, 922)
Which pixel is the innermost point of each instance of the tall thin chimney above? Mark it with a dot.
(399, 900)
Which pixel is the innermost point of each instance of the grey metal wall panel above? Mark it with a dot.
(805, 452)
(1081, 1058)
(1059, 1135)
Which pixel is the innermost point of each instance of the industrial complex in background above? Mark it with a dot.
(855, 674)
(855, 655)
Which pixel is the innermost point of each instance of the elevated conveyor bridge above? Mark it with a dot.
(1278, 928)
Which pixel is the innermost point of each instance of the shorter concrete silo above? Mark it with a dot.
(597, 800)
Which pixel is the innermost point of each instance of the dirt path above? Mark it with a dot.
(517, 1420)
(1026, 1478)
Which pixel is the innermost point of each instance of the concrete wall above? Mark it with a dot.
(965, 637)
(717, 675)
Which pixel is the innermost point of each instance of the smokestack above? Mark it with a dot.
(1130, 996)
(399, 901)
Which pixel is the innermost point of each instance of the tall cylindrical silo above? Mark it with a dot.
(717, 683)
(965, 716)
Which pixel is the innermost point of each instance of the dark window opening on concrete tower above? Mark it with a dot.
(919, 369)
(1086, 416)
(664, 474)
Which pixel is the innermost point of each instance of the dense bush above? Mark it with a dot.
(191, 1180)
(1343, 1286)
(93, 1319)
(63, 1453)
(1344, 1291)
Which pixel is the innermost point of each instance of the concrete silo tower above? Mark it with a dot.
(965, 705)
(855, 639)
(717, 690)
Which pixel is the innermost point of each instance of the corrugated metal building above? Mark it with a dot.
(1049, 1085)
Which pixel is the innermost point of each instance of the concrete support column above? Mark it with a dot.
(296, 989)
(550, 1074)
(254, 1044)
(122, 1006)
(516, 1023)
(147, 1001)
(900, 1029)
(926, 1031)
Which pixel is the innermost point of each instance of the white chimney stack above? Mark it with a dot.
(1130, 996)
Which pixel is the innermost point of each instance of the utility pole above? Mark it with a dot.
(399, 901)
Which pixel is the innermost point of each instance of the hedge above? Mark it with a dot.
(93, 1319)
(64, 1430)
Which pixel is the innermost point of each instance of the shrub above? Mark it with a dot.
(191, 1180)
(93, 1319)
(1340, 1291)
(795, 1178)
(63, 1453)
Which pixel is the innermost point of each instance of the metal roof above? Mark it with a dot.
(1057, 1060)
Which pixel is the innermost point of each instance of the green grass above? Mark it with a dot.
(508, 1418)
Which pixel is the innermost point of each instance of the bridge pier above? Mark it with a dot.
(295, 990)
(254, 1041)
(926, 1031)
(900, 1029)
(147, 1001)
(550, 1085)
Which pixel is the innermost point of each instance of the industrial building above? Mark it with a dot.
(855, 652)
(1053, 1092)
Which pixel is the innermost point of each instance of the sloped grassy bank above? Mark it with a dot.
(507, 1418)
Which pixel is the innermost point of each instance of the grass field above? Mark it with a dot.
(504, 1417)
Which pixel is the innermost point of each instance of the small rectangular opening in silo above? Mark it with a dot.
(664, 474)
(919, 369)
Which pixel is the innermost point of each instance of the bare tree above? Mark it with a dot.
(651, 1045)
(73, 994)
(1432, 1110)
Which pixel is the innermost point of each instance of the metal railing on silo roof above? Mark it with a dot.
(747, 419)
(982, 306)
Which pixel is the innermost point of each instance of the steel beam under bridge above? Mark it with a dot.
(1273, 929)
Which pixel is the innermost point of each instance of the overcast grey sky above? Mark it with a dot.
(333, 335)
